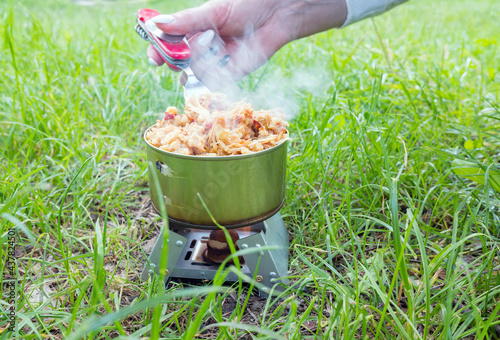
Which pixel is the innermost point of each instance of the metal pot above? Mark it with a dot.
(238, 190)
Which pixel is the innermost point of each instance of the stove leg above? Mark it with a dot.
(270, 266)
(175, 246)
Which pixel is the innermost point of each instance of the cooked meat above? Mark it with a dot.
(210, 126)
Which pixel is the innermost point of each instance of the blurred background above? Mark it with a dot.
(400, 96)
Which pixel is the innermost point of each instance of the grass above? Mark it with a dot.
(386, 241)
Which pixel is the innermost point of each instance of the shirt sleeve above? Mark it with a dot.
(360, 9)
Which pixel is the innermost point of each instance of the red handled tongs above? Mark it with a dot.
(173, 49)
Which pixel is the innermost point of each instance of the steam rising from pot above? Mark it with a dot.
(268, 87)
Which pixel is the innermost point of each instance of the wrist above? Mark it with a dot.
(302, 18)
(360, 9)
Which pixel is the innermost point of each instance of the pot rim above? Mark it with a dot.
(211, 158)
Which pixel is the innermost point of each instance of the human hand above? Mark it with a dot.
(249, 31)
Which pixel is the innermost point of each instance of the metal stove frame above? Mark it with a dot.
(186, 246)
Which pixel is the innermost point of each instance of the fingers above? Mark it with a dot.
(245, 56)
(219, 64)
(196, 19)
(205, 38)
(209, 58)
(188, 22)
(153, 57)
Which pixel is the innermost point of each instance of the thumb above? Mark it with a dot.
(188, 21)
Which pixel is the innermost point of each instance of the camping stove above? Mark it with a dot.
(243, 193)
(266, 259)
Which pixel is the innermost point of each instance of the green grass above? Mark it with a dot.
(387, 242)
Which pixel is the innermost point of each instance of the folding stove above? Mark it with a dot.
(187, 253)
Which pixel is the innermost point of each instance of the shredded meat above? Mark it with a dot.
(210, 126)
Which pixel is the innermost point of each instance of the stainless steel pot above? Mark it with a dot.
(237, 190)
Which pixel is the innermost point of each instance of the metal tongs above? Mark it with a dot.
(173, 49)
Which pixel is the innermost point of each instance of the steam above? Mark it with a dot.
(277, 90)
(270, 87)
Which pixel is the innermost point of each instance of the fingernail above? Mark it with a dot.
(205, 38)
(152, 62)
(210, 53)
(214, 50)
(163, 19)
(224, 60)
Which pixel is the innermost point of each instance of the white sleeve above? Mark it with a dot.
(360, 9)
